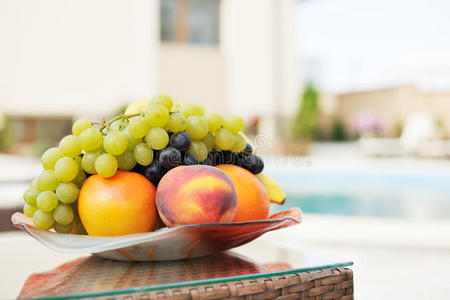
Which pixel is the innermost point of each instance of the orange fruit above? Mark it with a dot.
(121, 204)
(252, 199)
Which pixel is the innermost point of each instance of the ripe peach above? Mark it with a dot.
(195, 194)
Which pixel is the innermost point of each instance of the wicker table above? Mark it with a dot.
(272, 272)
(323, 284)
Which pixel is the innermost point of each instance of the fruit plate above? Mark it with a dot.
(174, 243)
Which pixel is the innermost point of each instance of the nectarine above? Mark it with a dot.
(195, 194)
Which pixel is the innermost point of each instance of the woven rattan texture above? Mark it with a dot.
(95, 274)
(317, 285)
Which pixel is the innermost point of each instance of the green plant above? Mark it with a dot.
(306, 121)
(338, 131)
(5, 138)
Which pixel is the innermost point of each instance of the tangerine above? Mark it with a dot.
(253, 202)
(121, 204)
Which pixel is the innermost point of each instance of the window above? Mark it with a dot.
(190, 21)
(167, 20)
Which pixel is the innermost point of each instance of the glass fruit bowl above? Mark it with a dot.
(174, 243)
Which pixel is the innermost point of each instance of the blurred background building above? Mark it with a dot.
(392, 105)
(63, 59)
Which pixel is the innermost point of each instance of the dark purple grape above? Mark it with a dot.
(213, 158)
(154, 172)
(180, 141)
(170, 158)
(238, 157)
(138, 169)
(228, 157)
(248, 149)
(253, 163)
(217, 157)
(190, 159)
(156, 154)
(170, 133)
(210, 159)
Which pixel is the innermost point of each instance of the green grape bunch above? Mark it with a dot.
(165, 136)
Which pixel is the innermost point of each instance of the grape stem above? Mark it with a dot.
(119, 117)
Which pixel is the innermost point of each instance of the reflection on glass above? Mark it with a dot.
(100, 277)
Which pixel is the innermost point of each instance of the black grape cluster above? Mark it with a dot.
(176, 154)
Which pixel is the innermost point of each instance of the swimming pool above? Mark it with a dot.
(381, 194)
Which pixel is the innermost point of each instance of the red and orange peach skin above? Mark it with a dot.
(194, 195)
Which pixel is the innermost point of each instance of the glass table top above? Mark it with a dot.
(94, 276)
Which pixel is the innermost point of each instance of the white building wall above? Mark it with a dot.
(194, 73)
(249, 50)
(262, 66)
(83, 57)
(289, 61)
(86, 57)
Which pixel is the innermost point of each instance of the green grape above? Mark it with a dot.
(190, 109)
(197, 127)
(115, 143)
(66, 169)
(126, 161)
(233, 123)
(63, 228)
(29, 210)
(31, 194)
(224, 139)
(67, 192)
(132, 142)
(138, 127)
(47, 181)
(70, 146)
(46, 201)
(175, 107)
(176, 123)
(239, 143)
(63, 214)
(88, 161)
(106, 165)
(80, 125)
(165, 100)
(199, 149)
(208, 140)
(118, 125)
(90, 139)
(43, 220)
(50, 157)
(157, 115)
(157, 138)
(80, 178)
(143, 154)
(34, 183)
(214, 120)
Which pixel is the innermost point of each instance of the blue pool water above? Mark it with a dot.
(398, 195)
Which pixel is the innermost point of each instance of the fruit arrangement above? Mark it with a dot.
(160, 159)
